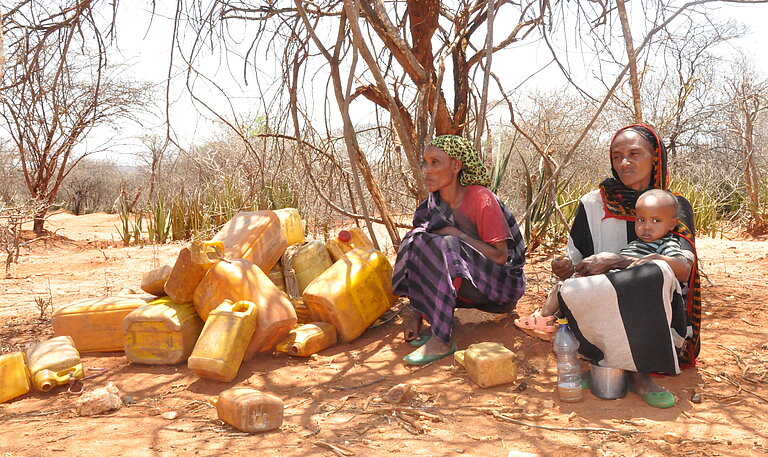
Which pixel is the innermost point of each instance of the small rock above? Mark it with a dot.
(548, 404)
(153, 412)
(696, 398)
(396, 394)
(170, 415)
(521, 387)
(99, 401)
(672, 438)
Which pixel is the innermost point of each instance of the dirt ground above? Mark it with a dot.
(333, 400)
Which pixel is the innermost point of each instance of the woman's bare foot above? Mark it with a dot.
(412, 326)
(643, 383)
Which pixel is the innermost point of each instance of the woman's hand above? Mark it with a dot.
(496, 252)
(562, 267)
(601, 263)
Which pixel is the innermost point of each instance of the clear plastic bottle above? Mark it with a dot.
(566, 346)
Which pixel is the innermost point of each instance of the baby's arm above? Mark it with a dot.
(680, 265)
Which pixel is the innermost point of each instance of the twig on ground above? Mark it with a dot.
(733, 383)
(365, 384)
(505, 417)
(404, 409)
(412, 426)
(749, 323)
(338, 450)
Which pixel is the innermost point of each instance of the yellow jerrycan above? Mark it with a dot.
(51, 363)
(240, 279)
(290, 223)
(96, 324)
(191, 266)
(302, 263)
(14, 377)
(219, 351)
(308, 339)
(276, 276)
(488, 364)
(345, 241)
(255, 236)
(249, 410)
(353, 293)
(153, 281)
(161, 332)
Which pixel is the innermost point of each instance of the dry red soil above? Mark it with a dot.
(333, 400)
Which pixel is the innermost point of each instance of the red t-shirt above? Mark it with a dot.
(480, 216)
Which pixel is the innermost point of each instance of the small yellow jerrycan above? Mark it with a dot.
(255, 236)
(153, 281)
(290, 224)
(14, 377)
(308, 339)
(190, 268)
(249, 410)
(219, 351)
(302, 263)
(353, 293)
(161, 332)
(51, 363)
(345, 241)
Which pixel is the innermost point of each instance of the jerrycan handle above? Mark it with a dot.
(206, 252)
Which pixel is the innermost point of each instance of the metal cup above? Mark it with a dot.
(608, 383)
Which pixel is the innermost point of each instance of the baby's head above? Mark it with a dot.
(656, 212)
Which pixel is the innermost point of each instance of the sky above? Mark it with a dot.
(143, 46)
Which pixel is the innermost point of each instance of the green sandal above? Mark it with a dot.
(422, 339)
(662, 400)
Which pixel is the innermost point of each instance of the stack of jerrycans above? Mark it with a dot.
(239, 286)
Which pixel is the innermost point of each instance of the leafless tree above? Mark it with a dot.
(55, 89)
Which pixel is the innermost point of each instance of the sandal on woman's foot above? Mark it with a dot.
(419, 358)
(422, 339)
(661, 399)
(538, 325)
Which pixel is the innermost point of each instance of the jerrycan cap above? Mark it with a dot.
(562, 321)
(344, 236)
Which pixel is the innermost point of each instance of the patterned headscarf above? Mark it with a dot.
(619, 200)
(473, 171)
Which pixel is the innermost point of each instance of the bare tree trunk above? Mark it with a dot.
(634, 80)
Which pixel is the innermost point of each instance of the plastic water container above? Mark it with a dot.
(290, 223)
(353, 293)
(302, 263)
(162, 332)
(488, 364)
(256, 236)
(153, 281)
(566, 347)
(220, 349)
(14, 377)
(242, 280)
(249, 410)
(96, 324)
(276, 276)
(191, 266)
(51, 363)
(345, 241)
(309, 339)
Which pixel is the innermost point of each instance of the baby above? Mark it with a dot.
(656, 216)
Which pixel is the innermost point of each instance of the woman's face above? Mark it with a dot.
(440, 170)
(632, 159)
